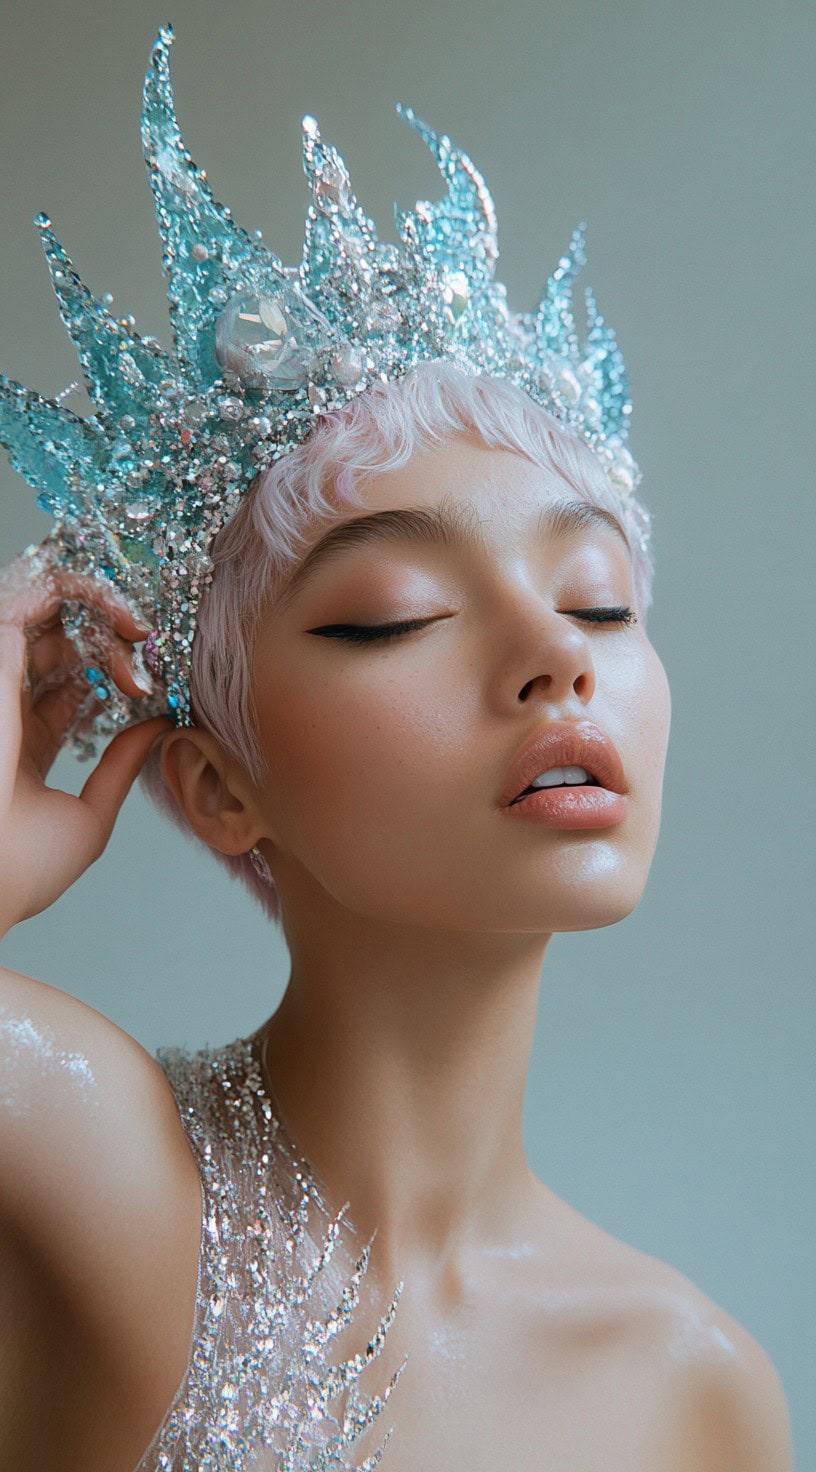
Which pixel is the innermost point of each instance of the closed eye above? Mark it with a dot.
(605, 615)
(365, 633)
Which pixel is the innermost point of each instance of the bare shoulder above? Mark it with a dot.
(100, 1213)
(709, 1398)
(726, 1407)
(83, 1105)
(728, 1385)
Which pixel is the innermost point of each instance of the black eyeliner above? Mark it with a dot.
(368, 633)
(621, 614)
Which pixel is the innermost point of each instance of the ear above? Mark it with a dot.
(212, 790)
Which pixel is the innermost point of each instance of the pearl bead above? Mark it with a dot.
(568, 386)
(622, 477)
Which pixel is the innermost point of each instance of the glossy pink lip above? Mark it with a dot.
(566, 744)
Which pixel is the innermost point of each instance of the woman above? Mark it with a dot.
(372, 717)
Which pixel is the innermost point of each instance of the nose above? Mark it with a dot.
(549, 657)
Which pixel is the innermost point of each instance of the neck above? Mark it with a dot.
(399, 1061)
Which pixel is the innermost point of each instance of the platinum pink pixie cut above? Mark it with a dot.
(318, 483)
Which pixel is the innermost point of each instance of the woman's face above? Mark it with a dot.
(388, 759)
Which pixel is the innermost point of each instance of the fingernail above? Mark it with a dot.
(144, 681)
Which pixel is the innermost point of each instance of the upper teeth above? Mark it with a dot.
(555, 775)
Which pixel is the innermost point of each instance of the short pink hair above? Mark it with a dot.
(320, 482)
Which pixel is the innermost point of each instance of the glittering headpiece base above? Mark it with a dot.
(140, 489)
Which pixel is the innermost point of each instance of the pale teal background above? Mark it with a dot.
(671, 1095)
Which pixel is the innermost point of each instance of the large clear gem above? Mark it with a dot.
(254, 340)
(456, 292)
(332, 191)
(346, 365)
(272, 316)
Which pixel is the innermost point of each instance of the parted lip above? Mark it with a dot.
(566, 744)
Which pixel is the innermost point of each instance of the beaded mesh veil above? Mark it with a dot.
(261, 352)
(266, 1387)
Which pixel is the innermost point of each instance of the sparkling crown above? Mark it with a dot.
(262, 350)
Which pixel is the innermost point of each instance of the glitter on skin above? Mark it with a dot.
(29, 1047)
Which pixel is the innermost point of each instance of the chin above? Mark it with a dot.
(588, 904)
(594, 917)
(588, 887)
(592, 907)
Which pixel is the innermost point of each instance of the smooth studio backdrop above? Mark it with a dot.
(671, 1094)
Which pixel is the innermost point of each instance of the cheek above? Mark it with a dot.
(648, 699)
(363, 749)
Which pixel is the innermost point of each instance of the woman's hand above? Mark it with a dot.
(47, 837)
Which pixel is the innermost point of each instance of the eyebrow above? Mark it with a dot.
(448, 525)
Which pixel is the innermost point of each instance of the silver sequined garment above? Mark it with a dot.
(279, 1277)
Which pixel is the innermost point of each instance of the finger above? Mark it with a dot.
(52, 650)
(117, 663)
(109, 783)
(109, 599)
(51, 712)
(12, 668)
(56, 697)
(107, 603)
(129, 673)
(47, 651)
(31, 593)
(52, 704)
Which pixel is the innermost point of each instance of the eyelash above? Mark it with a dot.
(367, 633)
